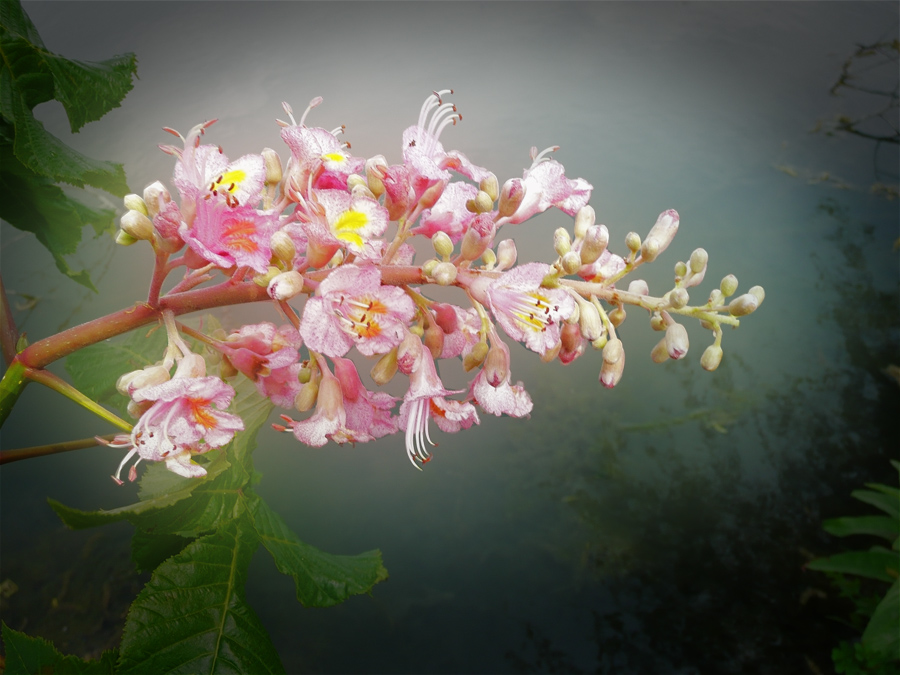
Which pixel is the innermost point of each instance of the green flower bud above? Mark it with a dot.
(712, 357)
(729, 285)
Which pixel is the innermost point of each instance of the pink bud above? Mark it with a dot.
(445, 317)
(664, 230)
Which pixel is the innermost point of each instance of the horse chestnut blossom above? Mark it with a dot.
(330, 239)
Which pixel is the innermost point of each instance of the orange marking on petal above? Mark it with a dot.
(202, 414)
(369, 329)
(237, 235)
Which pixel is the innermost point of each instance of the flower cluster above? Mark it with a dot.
(328, 234)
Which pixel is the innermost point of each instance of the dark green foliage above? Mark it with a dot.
(31, 159)
(27, 655)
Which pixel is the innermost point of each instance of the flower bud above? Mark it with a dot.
(434, 340)
(478, 237)
(307, 396)
(506, 254)
(715, 297)
(360, 190)
(428, 267)
(660, 353)
(589, 321)
(385, 368)
(286, 285)
(639, 287)
(617, 316)
(712, 357)
(491, 187)
(431, 195)
(373, 175)
(125, 239)
(571, 262)
(743, 305)
(698, 261)
(130, 382)
(678, 298)
(264, 279)
(729, 285)
(442, 245)
(273, 166)
(489, 258)
(482, 203)
(657, 323)
(304, 375)
(191, 366)
(550, 355)
(562, 242)
(444, 273)
(496, 366)
(135, 203)
(633, 241)
(445, 317)
(681, 269)
(137, 225)
(571, 343)
(595, 241)
(584, 219)
(613, 363)
(409, 351)
(511, 197)
(759, 293)
(155, 197)
(665, 229)
(136, 409)
(649, 249)
(283, 247)
(476, 357)
(676, 340)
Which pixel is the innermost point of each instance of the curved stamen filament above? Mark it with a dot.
(312, 104)
(540, 157)
(533, 311)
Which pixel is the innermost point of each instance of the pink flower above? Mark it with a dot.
(426, 398)
(184, 419)
(449, 214)
(546, 185)
(318, 154)
(329, 422)
(228, 236)
(528, 312)
(351, 220)
(367, 412)
(258, 349)
(351, 307)
(491, 388)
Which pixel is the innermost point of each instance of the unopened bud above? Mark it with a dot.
(506, 254)
(373, 176)
(613, 363)
(354, 180)
(638, 287)
(743, 305)
(361, 190)
(633, 241)
(562, 242)
(431, 195)
(729, 285)
(715, 297)
(428, 267)
(660, 353)
(482, 203)
(478, 237)
(304, 375)
(617, 316)
(191, 366)
(283, 247)
(434, 340)
(489, 258)
(307, 396)
(649, 249)
(511, 197)
(657, 323)
(262, 280)
(550, 355)
(444, 273)
(759, 293)
(595, 241)
(135, 203)
(712, 357)
(698, 261)
(589, 321)
(137, 225)
(571, 262)
(496, 366)
(678, 298)
(125, 239)
(676, 340)
(584, 219)
(385, 368)
(476, 357)
(128, 383)
(665, 229)
(273, 166)
(442, 244)
(286, 285)
(155, 196)
(491, 187)
(681, 269)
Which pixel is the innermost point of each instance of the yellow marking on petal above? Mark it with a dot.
(334, 156)
(347, 226)
(202, 414)
(534, 313)
(231, 180)
(369, 329)
(237, 235)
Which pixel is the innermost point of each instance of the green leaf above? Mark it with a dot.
(879, 526)
(26, 655)
(882, 635)
(43, 208)
(322, 579)
(873, 564)
(14, 19)
(887, 499)
(148, 550)
(95, 369)
(192, 617)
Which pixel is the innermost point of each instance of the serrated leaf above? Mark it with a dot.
(322, 579)
(882, 634)
(879, 526)
(95, 369)
(148, 550)
(14, 20)
(44, 209)
(882, 499)
(26, 655)
(192, 617)
(171, 504)
(874, 564)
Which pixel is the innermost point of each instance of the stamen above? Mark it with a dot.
(290, 113)
(541, 157)
(312, 104)
(338, 130)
